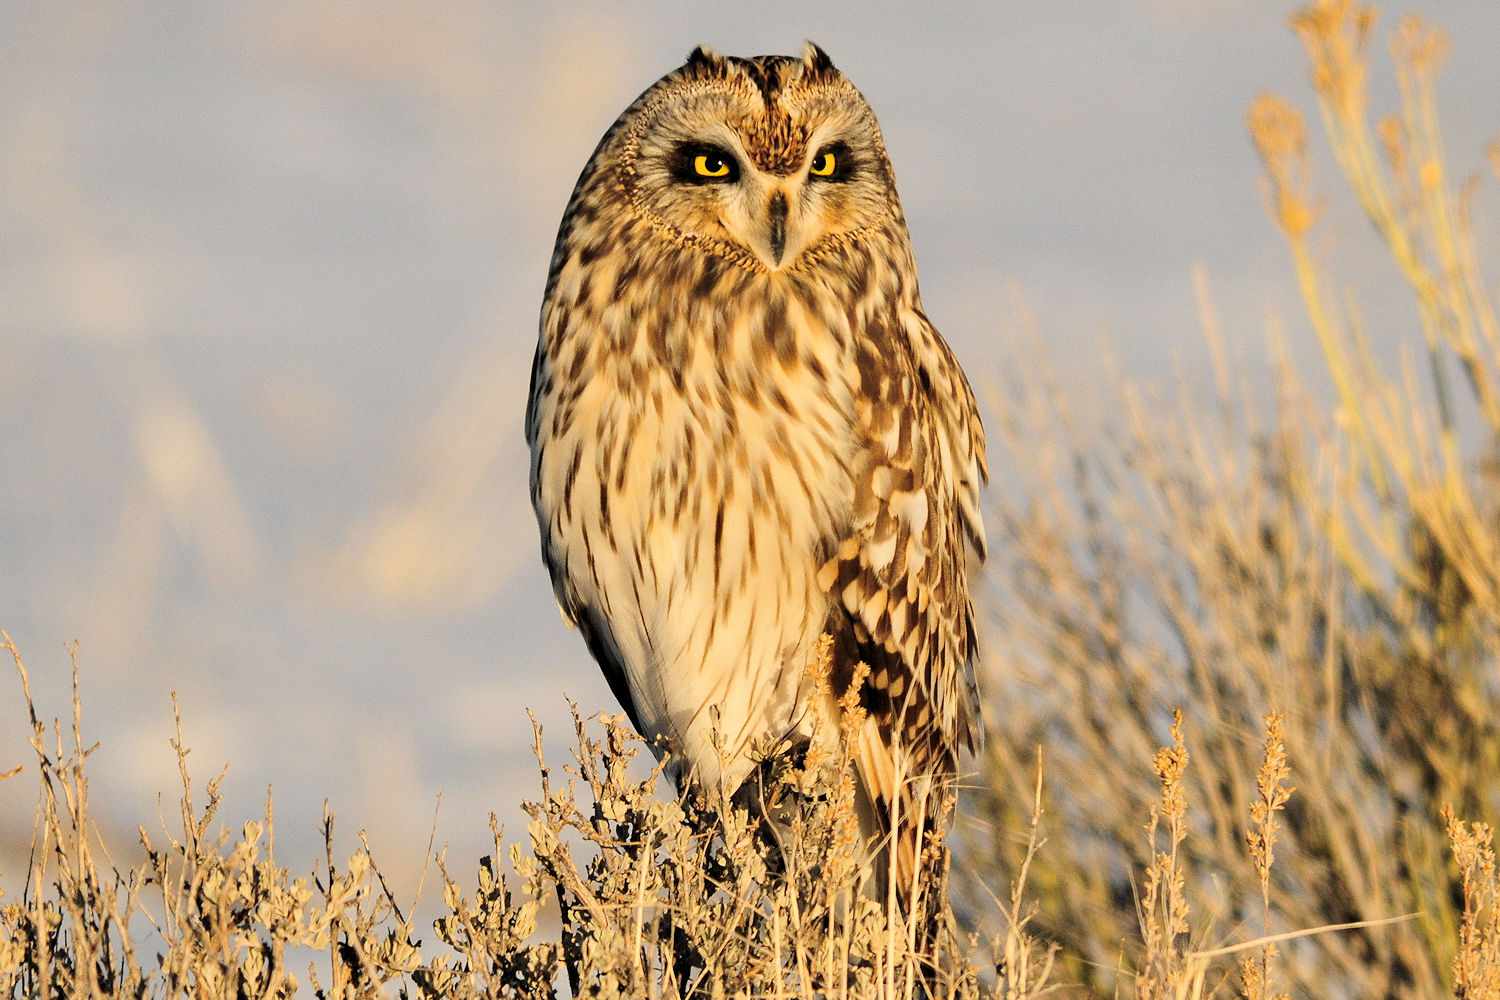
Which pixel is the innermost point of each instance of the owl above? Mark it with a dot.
(746, 435)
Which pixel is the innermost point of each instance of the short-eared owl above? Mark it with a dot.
(746, 433)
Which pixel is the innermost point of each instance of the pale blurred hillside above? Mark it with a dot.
(270, 276)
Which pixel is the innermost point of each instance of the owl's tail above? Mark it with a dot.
(903, 814)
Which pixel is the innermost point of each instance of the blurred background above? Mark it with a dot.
(270, 277)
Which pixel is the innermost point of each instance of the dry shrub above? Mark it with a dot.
(654, 896)
(618, 891)
(1476, 965)
(1339, 568)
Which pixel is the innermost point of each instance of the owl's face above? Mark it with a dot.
(760, 158)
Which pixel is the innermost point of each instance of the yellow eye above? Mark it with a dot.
(709, 165)
(825, 164)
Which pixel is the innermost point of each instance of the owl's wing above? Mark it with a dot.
(899, 576)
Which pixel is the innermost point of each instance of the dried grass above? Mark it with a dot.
(1338, 570)
(644, 896)
(1476, 965)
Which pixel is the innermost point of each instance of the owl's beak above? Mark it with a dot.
(776, 213)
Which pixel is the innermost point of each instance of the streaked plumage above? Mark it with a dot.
(745, 432)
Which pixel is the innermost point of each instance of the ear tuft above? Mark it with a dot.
(705, 57)
(815, 61)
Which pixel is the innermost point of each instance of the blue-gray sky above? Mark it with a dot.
(270, 276)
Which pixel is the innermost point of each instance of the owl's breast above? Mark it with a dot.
(691, 480)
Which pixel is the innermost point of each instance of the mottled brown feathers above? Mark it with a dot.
(736, 451)
(776, 143)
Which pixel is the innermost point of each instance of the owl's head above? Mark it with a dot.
(758, 159)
